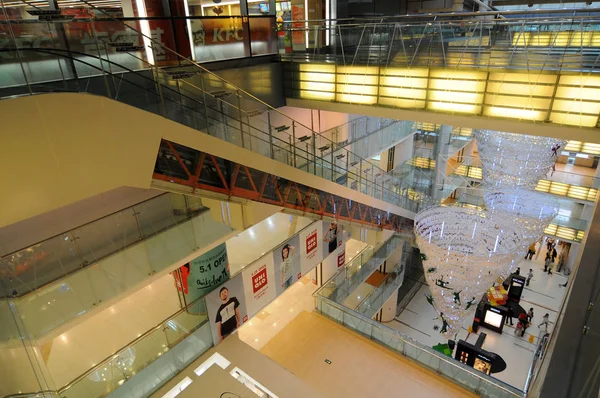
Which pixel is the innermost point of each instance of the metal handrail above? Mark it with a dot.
(271, 108)
(417, 345)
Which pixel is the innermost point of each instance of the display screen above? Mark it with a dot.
(482, 366)
(264, 7)
(493, 319)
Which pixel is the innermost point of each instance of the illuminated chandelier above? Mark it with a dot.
(463, 252)
(511, 160)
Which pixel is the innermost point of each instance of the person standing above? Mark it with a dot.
(530, 251)
(529, 315)
(545, 321)
(529, 277)
(331, 237)
(509, 315)
(554, 253)
(547, 262)
(518, 271)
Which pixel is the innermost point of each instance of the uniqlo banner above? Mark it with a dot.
(259, 284)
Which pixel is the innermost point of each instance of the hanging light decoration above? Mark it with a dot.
(532, 211)
(511, 160)
(463, 251)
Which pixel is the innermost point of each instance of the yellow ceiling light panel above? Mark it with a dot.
(317, 95)
(405, 72)
(358, 70)
(315, 86)
(524, 102)
(404, 82)
(573, 146)
(357, 79)
(356, 89)
(516, 77)
(356, 98)
(551, 229)
(574, 106)
(454, 107)
(397, 92)
(566, 233)
(543, 186)
(562, 39)
(580, 235)
(558, 188)
(519, 88)
(322, 68)
(580, 39)
(475, 173)
(453, 74)
(578, 93)
(591, 148)
(317, 77)
(454, 96)
(541, 39)
(580, 80)
(592, 195)
(521, 38)
(461, 170)
(514, 113)
(578, 192)
(402, 103)
(574, 119)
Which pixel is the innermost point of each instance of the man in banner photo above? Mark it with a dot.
(331, 237)
(228, 315)
(286, 269)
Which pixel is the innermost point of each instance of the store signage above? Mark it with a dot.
(311, 243)
(341, 259)
(259, 279)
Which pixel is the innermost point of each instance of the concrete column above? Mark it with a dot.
(441, 154)
(388, 311)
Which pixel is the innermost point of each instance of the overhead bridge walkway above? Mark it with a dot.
(486, 70)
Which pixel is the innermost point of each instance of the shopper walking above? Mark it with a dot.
(529, 315)
(518, 271)
(547, 262)
(529, 277)
(530, 251)
(554, 253)
(545, 321)
(509, 315)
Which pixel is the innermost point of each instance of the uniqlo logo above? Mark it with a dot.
(311, 242)
(341, 259)
(259, 280)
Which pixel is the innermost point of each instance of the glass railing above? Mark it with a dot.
(347, 279)
(463, 375)
(167, 234)
(145, 364)
(514, 40)
(377, 297)
(54, 258)
(135, 69)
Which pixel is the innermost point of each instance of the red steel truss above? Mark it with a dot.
(202, 171)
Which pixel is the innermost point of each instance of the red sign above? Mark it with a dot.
(311, 242)
(341, 259)
(259, 279)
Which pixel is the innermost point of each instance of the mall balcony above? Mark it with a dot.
(208, 110)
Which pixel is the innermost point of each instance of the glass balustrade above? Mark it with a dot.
(151, 360)
(377, 297)
(358, 270)
(466, 377)
(65, 277)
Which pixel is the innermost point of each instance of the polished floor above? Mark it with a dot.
(340, 363)
(543, 294)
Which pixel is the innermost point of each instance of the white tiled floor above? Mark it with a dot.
(259, 330)
(543, 295)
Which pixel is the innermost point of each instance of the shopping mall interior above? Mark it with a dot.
(304, 198)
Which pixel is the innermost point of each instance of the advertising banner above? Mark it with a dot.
(203, 274)
(259, 284)
(226, 308)
(333, 236)
(298, 34)
(286, 259)
(311, 247)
